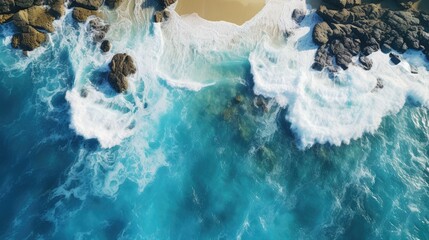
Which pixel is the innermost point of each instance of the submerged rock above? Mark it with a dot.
(121, 66)
(298, 15)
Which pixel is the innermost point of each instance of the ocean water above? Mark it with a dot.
(225, 133)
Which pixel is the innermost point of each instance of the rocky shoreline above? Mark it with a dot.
(34, 18)
(352, 28)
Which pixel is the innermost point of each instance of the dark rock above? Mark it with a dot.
(7, 6)
(22, 4)
(414, 70)
(113, 4)
(121, 66)
(406, 3)
(321, 33)
(322, 58)
(298, 15)
(342, 56)
(105, 46)
(344, 3)
(385, 48)
(394, 58)
(118, 81)
(365, 62)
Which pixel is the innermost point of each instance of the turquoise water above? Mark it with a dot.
(197, 164)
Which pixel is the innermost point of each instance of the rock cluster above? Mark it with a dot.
(361, 29)
(121, 66)
(34, 18)
(164, 14)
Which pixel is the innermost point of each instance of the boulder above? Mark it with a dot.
(39, 18)
(81, 14)
(121, 66)
(321, 33)
(88, 4)
(36, 16)
(28, 39)
(57, 9)
(23, 4)
(365, 62)
(158, 17)
(105, 46)
(394, 58)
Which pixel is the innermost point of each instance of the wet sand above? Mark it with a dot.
(235, 11)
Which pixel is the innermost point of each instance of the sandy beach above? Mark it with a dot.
(235, 11)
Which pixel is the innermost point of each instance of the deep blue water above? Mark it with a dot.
(212, 167)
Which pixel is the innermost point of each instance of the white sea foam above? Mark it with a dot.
(321, 107)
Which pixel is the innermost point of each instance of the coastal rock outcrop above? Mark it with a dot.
(105, 46)
(361, 29)
(81, 14)
(29, 39)
(121, 66)
(113, 4)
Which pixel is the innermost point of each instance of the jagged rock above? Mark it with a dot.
(322, 58)
(81, 14)
(39, 18)
(28, 39)
(342, 56)
(5, 18)
(365, 62)
(88, 4)
(36, 16)
(113, 4)
(298, 15)
(121, 66)
(321, 33)
(105, 46)
(394, 58)
(57, 9)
